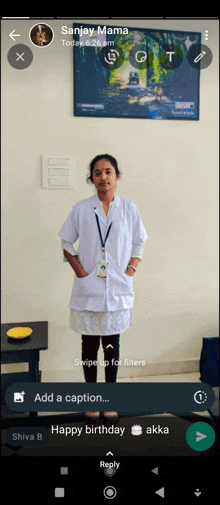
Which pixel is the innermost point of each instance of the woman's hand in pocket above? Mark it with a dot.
(130, 272)
(83, 274)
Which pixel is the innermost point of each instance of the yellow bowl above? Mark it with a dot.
(19, 332)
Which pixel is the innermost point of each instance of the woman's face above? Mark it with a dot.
(104, 176)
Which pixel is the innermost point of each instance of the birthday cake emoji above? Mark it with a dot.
(136, 430)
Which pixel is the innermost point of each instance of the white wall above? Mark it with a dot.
(170, 171)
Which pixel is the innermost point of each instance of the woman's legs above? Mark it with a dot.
(110, 344)
(90, 347)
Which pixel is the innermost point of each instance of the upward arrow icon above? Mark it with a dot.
(109, 345)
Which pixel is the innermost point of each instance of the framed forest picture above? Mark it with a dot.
(136, 73)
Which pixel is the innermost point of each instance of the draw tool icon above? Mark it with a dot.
(199, 57)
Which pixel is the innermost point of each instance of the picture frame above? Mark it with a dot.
(111, 80)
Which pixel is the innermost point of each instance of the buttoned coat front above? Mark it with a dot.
(127, 235)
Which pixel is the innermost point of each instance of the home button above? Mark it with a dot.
(110, 492)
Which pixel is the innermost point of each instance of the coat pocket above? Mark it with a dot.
(91, 285)
(122, 284)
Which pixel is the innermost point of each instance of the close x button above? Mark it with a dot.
(20, 56)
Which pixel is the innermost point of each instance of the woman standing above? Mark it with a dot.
(111, 239)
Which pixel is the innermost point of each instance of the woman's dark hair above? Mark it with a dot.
(100, 157)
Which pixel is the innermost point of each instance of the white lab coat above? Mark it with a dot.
(126, 237)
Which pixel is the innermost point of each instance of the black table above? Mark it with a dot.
(23, 351)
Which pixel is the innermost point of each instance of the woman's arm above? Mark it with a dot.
(74, 262)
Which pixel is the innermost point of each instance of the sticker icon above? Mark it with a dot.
(141, 57)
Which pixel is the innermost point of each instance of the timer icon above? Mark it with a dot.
(200, 397)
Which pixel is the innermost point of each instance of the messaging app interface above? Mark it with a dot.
(134, 410)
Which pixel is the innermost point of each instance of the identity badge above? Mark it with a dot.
(102, 270)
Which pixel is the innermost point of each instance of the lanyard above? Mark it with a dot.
(100, 234)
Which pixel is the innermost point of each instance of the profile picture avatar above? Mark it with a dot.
(41, 35)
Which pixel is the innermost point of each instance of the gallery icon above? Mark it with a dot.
(19, 397)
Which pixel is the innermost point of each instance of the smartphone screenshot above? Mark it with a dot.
(109, 330)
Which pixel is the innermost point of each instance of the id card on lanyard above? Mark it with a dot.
(102, 270)
(103, 266)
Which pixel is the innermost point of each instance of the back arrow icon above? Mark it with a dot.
(13, 34)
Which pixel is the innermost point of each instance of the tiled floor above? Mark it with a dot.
(67, 376)
(180, 377)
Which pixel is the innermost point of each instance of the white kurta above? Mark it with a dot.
(103, 306)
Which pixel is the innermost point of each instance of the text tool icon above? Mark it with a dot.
(170, 54)
(171, 57)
